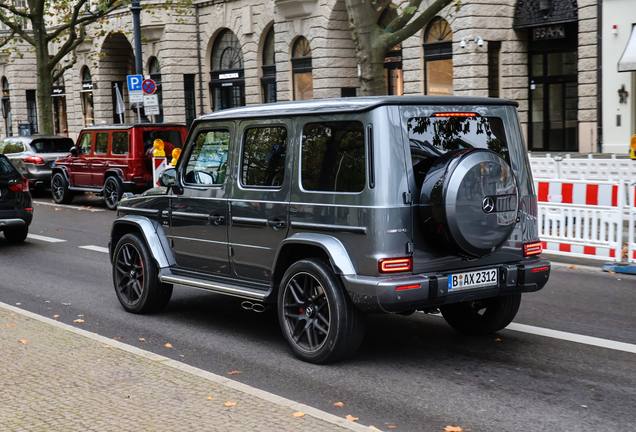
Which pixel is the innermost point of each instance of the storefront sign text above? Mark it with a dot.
(228, 75)
(548, 32)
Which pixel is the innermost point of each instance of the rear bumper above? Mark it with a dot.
(10, 219)
(382, 294)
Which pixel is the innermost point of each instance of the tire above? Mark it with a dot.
(113, 191)
(480, 317)
(135, 278)
(59, 189)
(317, 318)
(17, 235)
(469, 202)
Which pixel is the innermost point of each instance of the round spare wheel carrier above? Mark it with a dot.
(469, 201)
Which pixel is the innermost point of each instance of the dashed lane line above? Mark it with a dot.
(95, 248)
(45, 238)
(68, 206)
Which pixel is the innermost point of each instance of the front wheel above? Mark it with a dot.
(479, 317)
(60, 189)
(317, 318)
(137, 284)
(113, 191)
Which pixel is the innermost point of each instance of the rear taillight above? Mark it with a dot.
(37, 160)
(20, 187)
(392, 265)
(530, 249)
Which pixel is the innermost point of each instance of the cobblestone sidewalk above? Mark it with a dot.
(54, 377)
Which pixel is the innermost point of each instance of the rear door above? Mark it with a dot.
(80, 165)
(259, 206)
(98, 163)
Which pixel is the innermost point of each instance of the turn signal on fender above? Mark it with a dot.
(392, 265)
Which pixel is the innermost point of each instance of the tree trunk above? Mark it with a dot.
(45, 81)
(371, 46)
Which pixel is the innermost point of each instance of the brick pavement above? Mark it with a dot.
(67, 379)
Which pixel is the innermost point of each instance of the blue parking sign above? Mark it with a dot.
(134, 82)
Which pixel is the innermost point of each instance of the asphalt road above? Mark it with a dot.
(413, 372)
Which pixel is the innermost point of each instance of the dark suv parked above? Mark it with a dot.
(16, 205)
(111, 160)
(331, 209)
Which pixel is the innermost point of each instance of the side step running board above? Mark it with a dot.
(220, 288)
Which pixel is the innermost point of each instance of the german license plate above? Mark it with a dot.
(475, 279)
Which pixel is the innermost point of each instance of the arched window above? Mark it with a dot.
(155, 74)
(6, 106)
(301, 70)
(227, 85)
(268, 81)
(87, 97)
(438, 58)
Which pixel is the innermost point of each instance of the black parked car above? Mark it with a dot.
(16, 204)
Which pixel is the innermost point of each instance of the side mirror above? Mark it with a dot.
(169, 179)
(74, 151)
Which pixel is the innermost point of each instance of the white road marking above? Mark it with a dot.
(45, 238)
(95, 248)
(573, 337)
(68, 206)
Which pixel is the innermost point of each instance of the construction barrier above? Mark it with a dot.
(589, 168)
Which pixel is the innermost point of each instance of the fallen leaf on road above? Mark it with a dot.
(118, 337)
(56, 316)
(573, 267)
(351, 418)
(210, 398)
(340, 404)
(23, 342)
(18, 304)
(58, 209)
(454, 429)
(234, 372)
(168, 345)
(107, 346)
(611, 272)
(373, 427)
(79, 320)
(142, 340)
(47, 301)
(11, 325)
(497, 340)
(11, 314)
(299, 414)
(58, 230)
(230, 404)
(89, 207)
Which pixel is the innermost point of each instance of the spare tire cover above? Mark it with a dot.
(469, 200)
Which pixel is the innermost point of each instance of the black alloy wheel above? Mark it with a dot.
(112, 192)
(59, 189)
(317, 317)
(137, 284)
(483, 316)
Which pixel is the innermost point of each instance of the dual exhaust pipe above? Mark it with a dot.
(256, 307)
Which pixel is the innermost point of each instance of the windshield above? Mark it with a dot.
(61, 145)
(431, 137)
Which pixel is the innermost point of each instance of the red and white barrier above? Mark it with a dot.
(158, 167)
(631, 231)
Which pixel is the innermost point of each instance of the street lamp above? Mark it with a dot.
(135, 8)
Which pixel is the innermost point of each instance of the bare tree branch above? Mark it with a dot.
(407, 14)
(76, 20)
(70, 45)
(13, 10)
(418, 23)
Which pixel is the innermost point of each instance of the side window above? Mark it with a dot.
(263, 158)
(84, 146)
(101, 143)
(207, 163)
(333, 157)
(120, 143)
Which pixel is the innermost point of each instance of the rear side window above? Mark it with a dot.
(263, 158)
(207, 164)
(84, 145)
(12, 147)
(431, 137)
(101, 143)
(62, 145)
(120, 143)
(5, 166)
(333, 157)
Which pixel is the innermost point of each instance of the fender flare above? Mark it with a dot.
(64, 171)
(114, 172)
(333, 247)
(153, 235)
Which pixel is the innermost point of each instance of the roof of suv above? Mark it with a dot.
(339, 105)
(135, 125)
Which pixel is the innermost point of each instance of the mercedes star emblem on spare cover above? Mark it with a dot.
(488, 205)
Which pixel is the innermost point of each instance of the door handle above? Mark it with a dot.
(276, 223)
(217, 219)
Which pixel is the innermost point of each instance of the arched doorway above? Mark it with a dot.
(227, 83)
(6, 106)
(117, 62)
(438, 58)
(88, 111)
(268, 80)
(302, 70)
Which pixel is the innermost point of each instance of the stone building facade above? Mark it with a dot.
(541, 53)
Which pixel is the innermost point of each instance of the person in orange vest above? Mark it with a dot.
(632, 150)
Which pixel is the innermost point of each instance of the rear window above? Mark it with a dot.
(62, 145)
(431, 137)
(167, 136)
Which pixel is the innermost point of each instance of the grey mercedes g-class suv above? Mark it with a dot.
(332, 209)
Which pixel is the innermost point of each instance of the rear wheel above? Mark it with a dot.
(317, 318)
(16, 235)
(59, 189)
(483, 316)
(137, 284)
(113, 191)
